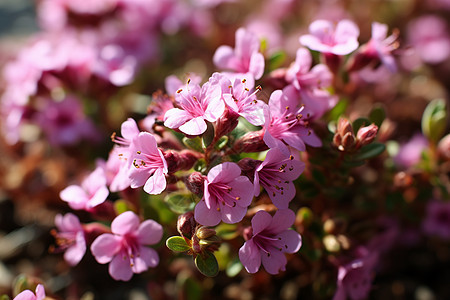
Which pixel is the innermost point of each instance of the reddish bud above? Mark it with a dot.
(367, 134)
(186, 224)
(344, 138)
(226, 123)
(195, 183)
(251, 142)
(183, 160)
(248, 166)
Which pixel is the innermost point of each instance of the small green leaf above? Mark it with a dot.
(208, 135)
(370, 151)
(377, 115)
(360, 122)
(4, 297)
(338, 110)
(200, 165)
(180, 202)
(207, 264)
(434, 120)
(227, 231)
(234, 267)
(177, 244)
(222, 142)
(121, 206)
(276, 60)
(193, 143)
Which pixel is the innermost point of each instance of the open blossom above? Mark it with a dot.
(125, 249)
(198, 104)
(226, 196)
(325, 37)
(39, 294)
(148, 166)
(70, 238)
(437, 219)
(115, 65)
(244, 58)
(287, 123)
(276, 174)
(270, 239)
(410, 153)
(355, 278)
(92, 192)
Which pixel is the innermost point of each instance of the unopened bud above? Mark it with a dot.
(444, 147)
(251, 142)
(367, 134)
(344, 127)
(348, 142)
(183, 160)
(195, 183)
(226, 123)
(344, 138)
(204, 232)
(186, 224)
(248, 166)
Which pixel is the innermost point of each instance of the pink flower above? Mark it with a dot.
(115, 65)
(410, 153)
(92, 192)
(287, 123)
(226, 196)
(242, 101)
(381, 45)
(244, 58)
(437, 219)
(355, 278)
(270, 239)
(29, 295)
(197, 105)
(325, 37)
(148, 165)
(276, 174)
(125, 249)
(172, 83)
(70, 238)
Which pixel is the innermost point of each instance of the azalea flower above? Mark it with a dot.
(276, 174)
(325, 37)
(70, 238)
(244, 58)
(286, 122)
(148, 165)
(198, 104)
(125, 248)
(270, 238)
(91, 193)
(226, 196)
(437, 219)
(39, 294)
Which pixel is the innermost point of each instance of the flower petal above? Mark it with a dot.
(206, 216)
(291, 239)
(250, 256)
(149, 232)
(282, 220)
(274, 263)
(120, 268)
(127, 222)
(195, 126)
(260, 221)
(224, 172)
(129, 129)
(75, 196)
(156, 184)
(105, 247)
(222, 57)
(75, 253)
(148, 257)
(175, 117)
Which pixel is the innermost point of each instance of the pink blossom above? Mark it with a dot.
(148, 166)
(39, 294)
(437, 219)
(125, 249)
(115, 65)
(410, 152)
(430, 38)
(240, 99)
(325, 37)
(70, 238)
(244, 58)
(92, 192)
(286, 123)
(198, 104)
(381, 46)
(355, 278)
(172, 83)
(276, 174)
(226, 196)
(270, 239)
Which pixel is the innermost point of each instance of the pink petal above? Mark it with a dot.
(26, 295)
(206, 216)
(312, 139)
(105, 247)
(120, 268)
(75, 253)
(223, 56)
(260, 221)
(148, 257)
(295, 141)
(68, 222)
(291, 239)
(346, 30)
(195, 126)
(303, 59)
(231, 215)
(379, 31)
(281, 201)
(94, 181)
(250, 257)
(98, 198)
(241, 188)
(256, 66)
(156, 184)
(321, 28)
(274, 263)
(215, 109)
(224, 172)
(282, 220)
(176, 117)
(75, 195)
(127, 222)
(149, 232)
(40, 292)
(129, 129)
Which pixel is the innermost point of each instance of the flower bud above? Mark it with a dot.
(251, 142)
(186, 224)
(195, 183)
(204, 232)
(183, 160)
(344, 138)
(248, 167)
(348, 142)
(444, 147)
(366, 135)
(226, 123)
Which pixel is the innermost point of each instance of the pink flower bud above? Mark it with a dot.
(226, 123)
(183, 160)
(367, 134)
(344, 138)
(248, 166)
(195, 183)
(186, 224)
(251, 142)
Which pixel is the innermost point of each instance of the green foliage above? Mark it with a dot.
(207, 264)
(377, 115)
(177, 244)
(370, 151)
(360, 122)
(276, 60)
(208, 135)
(193, 143)
(180, 202)
(227, 231)
(434, 120)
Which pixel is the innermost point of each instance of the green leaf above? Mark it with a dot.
(208, 135)
(227, 231)
(338, 110)
(177, 244)
(180, 202)
(222, 142)
(193, 143)
(207, 264)
(434, 120)
(234, 267)
(200, 165)
(4, 297)
(121, 206)
(377, 115)
(370, 151)
(276, 60)
(360, 122)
